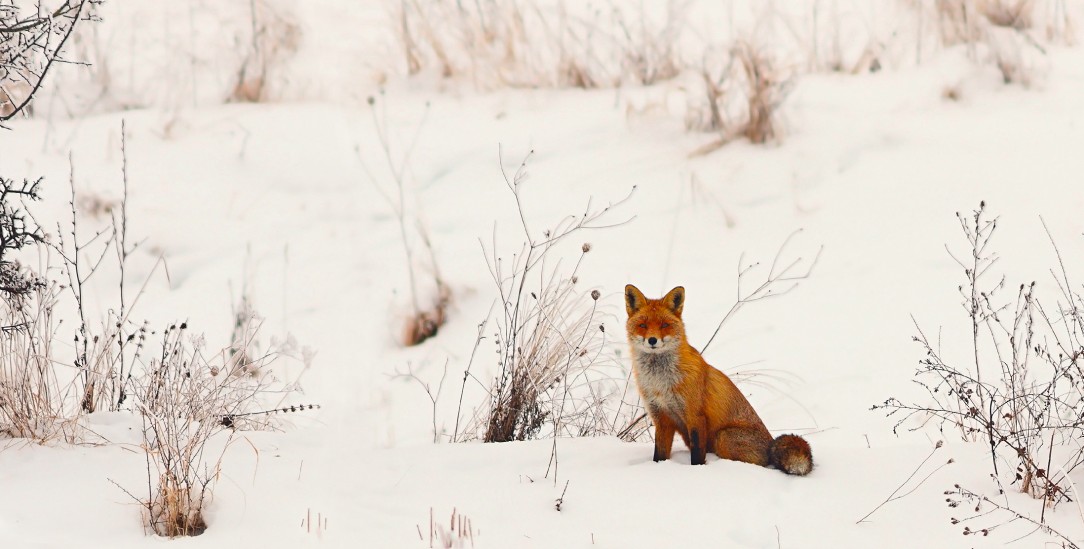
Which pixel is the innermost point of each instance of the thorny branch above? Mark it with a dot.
(30, 44)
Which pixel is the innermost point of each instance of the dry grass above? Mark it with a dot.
(967, 21)
(742, 95)
(11, 95)
(766, 87)
(274, 38)
(35, 402)
(425, 323)
(524, 44)
(554, 351)
(1014, 14)
(1007, 34)
(176, 512)
(957, 21)
(459, 533)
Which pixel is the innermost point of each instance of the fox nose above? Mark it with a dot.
(652, 341)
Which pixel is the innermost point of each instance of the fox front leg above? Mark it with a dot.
(664, 437)
(698, 443)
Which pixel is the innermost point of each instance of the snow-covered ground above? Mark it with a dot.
(279, 199)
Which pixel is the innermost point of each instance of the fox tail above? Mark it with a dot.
(791, 454)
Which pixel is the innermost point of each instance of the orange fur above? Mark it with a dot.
(685, 395)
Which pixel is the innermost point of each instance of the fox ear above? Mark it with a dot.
(675, 300)
(634, 299)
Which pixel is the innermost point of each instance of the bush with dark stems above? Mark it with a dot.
(30, 44)
(548, 332)
(1020, 390)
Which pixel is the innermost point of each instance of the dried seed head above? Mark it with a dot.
(595, 293)
(586, 247)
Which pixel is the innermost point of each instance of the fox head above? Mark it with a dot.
(654, 325)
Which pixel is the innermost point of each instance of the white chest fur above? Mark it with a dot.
(656, 375)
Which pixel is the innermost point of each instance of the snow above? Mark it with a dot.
(275, 198)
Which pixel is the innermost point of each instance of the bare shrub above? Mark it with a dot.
(562, 339)
(1018, 60)
(712, 114)
(650, 52)
(35, 403)
(36, 400)
(185, 398)
(183, 401)
(192, 405)
(392, 183)
(1019, 390)
(105, 353)
(743, 91)
(275, 37)
(766, 88)
(967, 21)
(548, 335)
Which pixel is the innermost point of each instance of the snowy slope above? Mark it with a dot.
(275, 198)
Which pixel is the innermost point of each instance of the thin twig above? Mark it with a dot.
(892, 497)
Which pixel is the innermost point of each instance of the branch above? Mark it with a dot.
(769, 287)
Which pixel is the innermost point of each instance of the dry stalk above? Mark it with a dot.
(424, 321)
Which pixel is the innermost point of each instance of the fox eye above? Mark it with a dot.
(665, 325)
(643, 326)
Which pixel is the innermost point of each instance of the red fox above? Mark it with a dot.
(682, 393)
